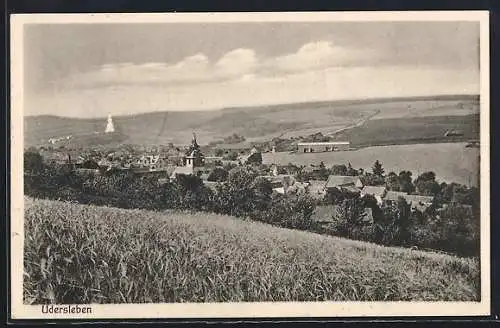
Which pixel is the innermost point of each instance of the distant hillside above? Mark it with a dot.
(257, 123)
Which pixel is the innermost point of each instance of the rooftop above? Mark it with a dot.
(374, 190)
(326, 143)
(339, 181)
(183, 170)
(415, 199)
(394, 195)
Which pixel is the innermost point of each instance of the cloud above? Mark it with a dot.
(322, 55)
(192, 69)
(329, 84)
(239, 63)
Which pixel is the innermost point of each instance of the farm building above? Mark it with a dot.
(318, 147)
(453, 133)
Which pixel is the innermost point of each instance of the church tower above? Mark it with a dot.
(194, 157)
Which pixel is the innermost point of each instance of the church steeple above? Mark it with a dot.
(194, 157)
(193, 142)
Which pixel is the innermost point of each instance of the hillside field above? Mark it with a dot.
(452, 162)
(87, 254)
(429, 129)
(258, 123)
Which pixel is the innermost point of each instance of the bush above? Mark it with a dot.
(289, 212)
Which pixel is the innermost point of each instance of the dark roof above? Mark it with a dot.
(374, 190)
(351, 189)
(339, 181)
(394, 195)
(415, 199)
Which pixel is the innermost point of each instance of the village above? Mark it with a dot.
(169, 162)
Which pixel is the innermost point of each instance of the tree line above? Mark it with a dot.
(243, 192)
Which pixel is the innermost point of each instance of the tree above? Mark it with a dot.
(33, 162)
(392, 182)
(403, 220)
(189, 183)
(339, 170)
(377, 169)
(369, 179)
(218, 174)
(351, 171)
(232, 156)
(348, 218)
(219, 152)
(262, 190)
(426, 184)
(242, 176)
(405, 182)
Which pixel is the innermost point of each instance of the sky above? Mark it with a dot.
(90, 70)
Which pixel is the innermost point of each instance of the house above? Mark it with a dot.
(316, 188)
(376, 191)
(393, 196)
(417, 202)
(280, 183)
(298, 188)
(153, 162)
(255, 157)
(279, 190)
(227, 162)
(340, 182)
(420, 203)
(317, 147)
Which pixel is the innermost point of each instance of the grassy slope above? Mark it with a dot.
(261, 122)
(108, 255)
(412, 130)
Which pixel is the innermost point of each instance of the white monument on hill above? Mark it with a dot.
(110, 127)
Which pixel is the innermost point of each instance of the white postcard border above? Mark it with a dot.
(242, 310)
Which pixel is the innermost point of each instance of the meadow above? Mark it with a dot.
(87, 254)
(452, 162)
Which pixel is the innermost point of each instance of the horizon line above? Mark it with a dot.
(337, 101)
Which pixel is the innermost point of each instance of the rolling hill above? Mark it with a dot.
(255, 123)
